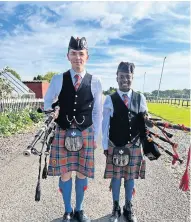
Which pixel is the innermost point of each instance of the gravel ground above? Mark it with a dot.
(157, 199)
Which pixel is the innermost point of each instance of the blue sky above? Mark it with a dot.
(34, 38)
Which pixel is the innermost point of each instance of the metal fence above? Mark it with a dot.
(172, 101)
(20, 104)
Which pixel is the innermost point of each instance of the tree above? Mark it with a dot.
(170, 93)
(39, 77)
(48, 76)
(13, 72)
(109, 91)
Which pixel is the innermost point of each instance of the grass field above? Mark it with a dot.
(173, 114)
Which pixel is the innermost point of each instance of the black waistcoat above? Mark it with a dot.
(75, 103)
(124, 125)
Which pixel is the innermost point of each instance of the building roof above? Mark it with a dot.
(31, 81)
(18, 87)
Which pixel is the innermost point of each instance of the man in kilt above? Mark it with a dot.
(122, 129)
(79, 98)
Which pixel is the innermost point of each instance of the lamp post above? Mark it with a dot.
(144, 83)
(161, 77)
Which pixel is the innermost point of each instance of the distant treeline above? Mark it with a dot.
(174, 93)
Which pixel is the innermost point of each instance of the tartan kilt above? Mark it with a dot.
(63, 161)
(134, 170)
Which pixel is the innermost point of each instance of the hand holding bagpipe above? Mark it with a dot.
(45, 129)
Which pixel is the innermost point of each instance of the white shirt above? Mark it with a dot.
(96, 89)
(108, 112)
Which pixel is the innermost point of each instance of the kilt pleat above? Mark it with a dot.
(63, 161)
(134, 170)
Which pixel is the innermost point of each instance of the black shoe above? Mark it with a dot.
(128, 212)
(68, 217)
(116, 212)
(80, 216)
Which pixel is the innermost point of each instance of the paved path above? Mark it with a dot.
(157, 199)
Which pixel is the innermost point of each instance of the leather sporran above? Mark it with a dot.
(73, 140)
(121, 156)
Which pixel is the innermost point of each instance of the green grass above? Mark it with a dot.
(173, 114)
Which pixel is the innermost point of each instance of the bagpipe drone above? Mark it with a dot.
(152, 148)
(45, 135)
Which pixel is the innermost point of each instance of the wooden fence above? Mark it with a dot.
(172, 101)
(19, 104)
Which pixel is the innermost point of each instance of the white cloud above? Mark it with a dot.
(88, 10)
(176, 33)
(8, 8)
(111, 20)
(133, 54)
(175, 73)
(44, 49)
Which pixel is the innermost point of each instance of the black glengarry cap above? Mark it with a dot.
(126, 67)
(78, 44)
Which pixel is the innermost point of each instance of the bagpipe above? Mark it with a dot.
(45, 135)
(152, 148)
